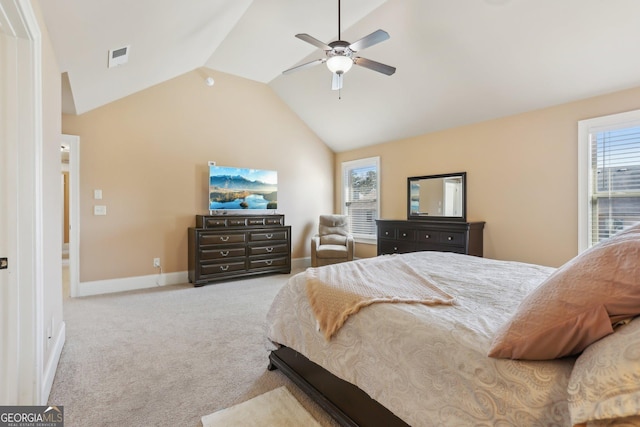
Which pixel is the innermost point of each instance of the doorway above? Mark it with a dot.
(71, 266)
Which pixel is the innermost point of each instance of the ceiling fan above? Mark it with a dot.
(341, 55)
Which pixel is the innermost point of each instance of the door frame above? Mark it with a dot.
(74, 212)
(22, 331)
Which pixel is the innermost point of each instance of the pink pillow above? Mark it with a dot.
(577, 304)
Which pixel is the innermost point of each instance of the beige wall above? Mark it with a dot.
(521, 176)
(148, 154)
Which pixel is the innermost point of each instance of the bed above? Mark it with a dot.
(428, 365)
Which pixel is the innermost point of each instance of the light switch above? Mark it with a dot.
(99, 210)
(97, 194)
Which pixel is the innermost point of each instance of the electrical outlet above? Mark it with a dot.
(156, 262)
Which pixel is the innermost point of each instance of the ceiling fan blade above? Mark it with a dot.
(305, 65)
(336, 82)
(368, 41)
(314, 41)
(375, 66)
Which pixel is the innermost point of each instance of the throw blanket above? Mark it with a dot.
(337, 291)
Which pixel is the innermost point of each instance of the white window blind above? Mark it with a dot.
(613, 175)
(360, 196)
(615, 165)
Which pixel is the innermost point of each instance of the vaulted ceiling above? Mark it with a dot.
(458, 61)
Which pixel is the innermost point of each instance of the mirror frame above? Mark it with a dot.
(462, 218)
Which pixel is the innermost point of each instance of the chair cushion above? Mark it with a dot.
(332, 251)
(333, 239)
(333, 224)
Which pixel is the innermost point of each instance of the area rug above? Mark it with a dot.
(275, 408)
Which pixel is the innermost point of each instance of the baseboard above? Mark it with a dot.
(99, 287)
(108, 286)
(52, 364)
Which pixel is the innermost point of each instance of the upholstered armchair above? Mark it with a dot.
(333, 243)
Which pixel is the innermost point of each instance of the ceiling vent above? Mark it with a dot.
(118, 56)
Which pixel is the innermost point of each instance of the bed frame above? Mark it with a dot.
(346, 403)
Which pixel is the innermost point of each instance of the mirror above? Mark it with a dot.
(437, 197)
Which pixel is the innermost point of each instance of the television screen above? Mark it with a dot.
(239, 188)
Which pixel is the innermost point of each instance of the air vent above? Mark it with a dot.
(118, 56)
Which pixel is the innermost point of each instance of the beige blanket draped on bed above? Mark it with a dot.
(337, 291)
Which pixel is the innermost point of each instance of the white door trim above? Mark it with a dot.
(22, 332)
(74, 212)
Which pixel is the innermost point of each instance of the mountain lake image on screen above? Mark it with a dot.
(241, 188)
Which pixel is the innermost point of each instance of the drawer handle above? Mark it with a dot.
(386, 233)
(269, 249)
(224, 267)
(395, 249)
(428, 236)
(224, 238)
(269, 262)
(404, 234)
(224, 253)
(449, 238)
(269, 236)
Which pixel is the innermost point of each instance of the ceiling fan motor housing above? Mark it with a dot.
(343, 57)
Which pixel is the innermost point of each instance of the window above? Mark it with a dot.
(609, 176)
(360, 201)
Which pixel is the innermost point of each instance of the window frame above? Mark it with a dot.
(347, 166)
(585, 182)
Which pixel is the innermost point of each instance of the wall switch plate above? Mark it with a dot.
(97, 194)
(156, 262)
(99, 210)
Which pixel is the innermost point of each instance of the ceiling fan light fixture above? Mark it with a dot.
(339, 64)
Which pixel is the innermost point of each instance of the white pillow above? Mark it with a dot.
(605, 381)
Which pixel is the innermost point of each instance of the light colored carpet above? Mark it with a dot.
(277, 408)
(167, 356)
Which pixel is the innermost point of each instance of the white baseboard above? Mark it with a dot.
(52, 364)
(108, 286)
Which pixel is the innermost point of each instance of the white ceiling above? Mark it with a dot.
(458, 61)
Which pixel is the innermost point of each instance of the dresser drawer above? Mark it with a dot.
(217, 239)
(221, 267)
(213, 222)
(451, 238)
(405, 234)
(267, 235)
(236, 222)
(282, 248)
(387, 232)
(268, 262)
(273, 221)
(255, 221)
(395, 247)
(221, 253)
(428, 236)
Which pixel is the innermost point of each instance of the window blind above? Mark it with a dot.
(361, 198)
(615, 181)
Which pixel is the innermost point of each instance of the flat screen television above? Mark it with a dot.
(241, 188)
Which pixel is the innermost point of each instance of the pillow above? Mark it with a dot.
(577, 304)
(605, 381)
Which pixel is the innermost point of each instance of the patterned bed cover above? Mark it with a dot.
(428, 364)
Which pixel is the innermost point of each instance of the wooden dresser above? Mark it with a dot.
(397, 236)
(228, 246)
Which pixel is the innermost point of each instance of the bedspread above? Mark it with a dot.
(429, 364)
